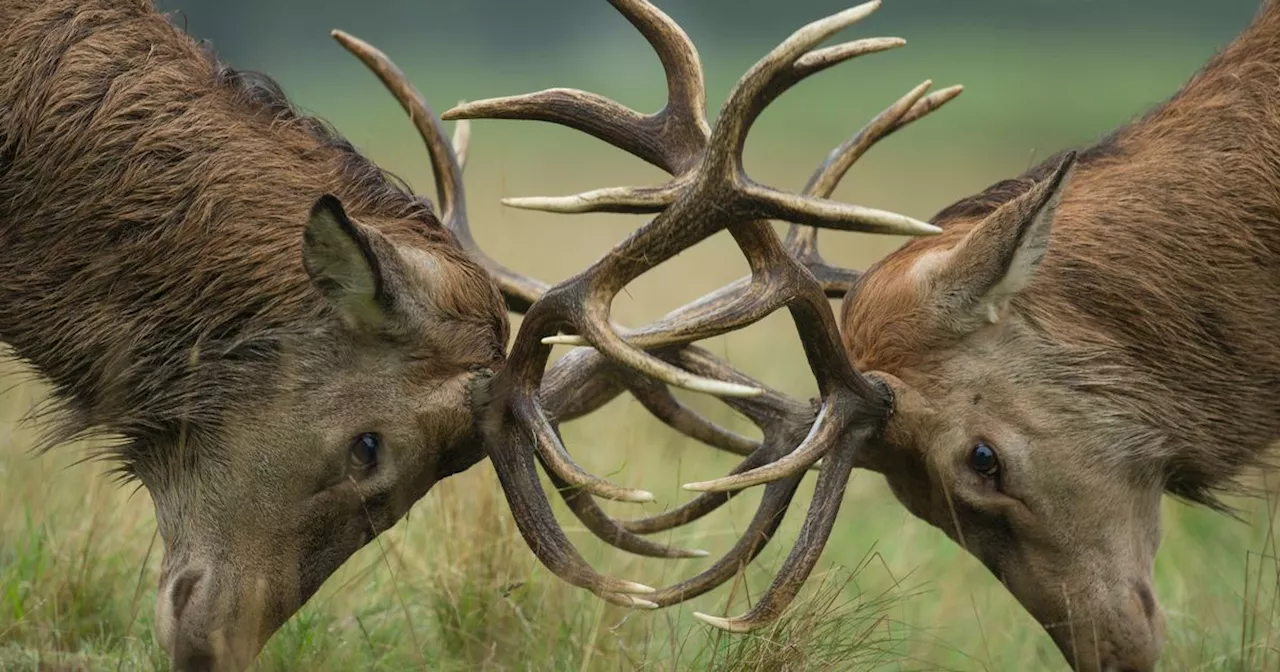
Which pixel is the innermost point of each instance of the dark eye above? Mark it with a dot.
(983, 460)
(364, 451)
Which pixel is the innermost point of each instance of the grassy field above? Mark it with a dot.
(454, 587)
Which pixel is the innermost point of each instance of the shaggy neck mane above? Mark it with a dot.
(152, 202)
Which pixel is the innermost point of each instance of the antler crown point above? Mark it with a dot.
(717, 622)
(640, 588)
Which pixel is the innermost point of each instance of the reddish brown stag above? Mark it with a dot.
(288, 348)
(1084, 338)
(1077, 342)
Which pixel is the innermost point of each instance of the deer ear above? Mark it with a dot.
(999, 256)
(348, 264)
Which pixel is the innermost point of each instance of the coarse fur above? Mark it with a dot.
(151, 198)
(1132, 351)
(168, 264)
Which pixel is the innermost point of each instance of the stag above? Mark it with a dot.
(1073, 344)
(280, 336)
(287, 348)
(1082, 339)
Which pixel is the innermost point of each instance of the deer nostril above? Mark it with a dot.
(1147, 599)
(183, 588)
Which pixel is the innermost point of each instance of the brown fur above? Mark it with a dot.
(1142, 355)
(137, 215)
(153, 204)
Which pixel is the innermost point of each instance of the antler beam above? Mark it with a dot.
(709, 191)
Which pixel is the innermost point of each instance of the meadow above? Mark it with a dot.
(453, 586)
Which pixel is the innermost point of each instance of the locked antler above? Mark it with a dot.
(709, 191)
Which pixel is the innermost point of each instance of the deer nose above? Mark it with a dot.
(184, 587)
(179, 621)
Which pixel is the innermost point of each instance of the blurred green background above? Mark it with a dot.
(1039, 75)
(453, 586)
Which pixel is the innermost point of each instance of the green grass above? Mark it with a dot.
(453, 586)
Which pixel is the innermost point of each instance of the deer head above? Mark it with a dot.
(359, 419)
(991, 433)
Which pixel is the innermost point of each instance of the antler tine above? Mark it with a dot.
(802, 241)
(607, 529)
(765, 411)
(667, 138)
(910, 107)
(784, 421)
(582, 381)
(461, 141)
(623, 200)
(519, 291)
(771, 76)
(686, 88)
(556, 459)
(771, 412)
(827, 496)
(534, 517)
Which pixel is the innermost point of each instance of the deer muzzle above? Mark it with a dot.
(208, 621)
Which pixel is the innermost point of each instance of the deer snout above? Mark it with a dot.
(176, 623)
(1129, 641)
(182, 589)
(206, 625)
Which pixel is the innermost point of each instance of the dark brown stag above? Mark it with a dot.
(291, 348)
(282, 337)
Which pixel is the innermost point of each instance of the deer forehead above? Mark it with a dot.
(888, 324)
(425, 270)
(924, 266)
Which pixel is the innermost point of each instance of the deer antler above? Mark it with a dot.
(446, 164)
(710, 191)
(568, 375)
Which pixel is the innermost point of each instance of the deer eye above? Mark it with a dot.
(984, 461)
(364, 451)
